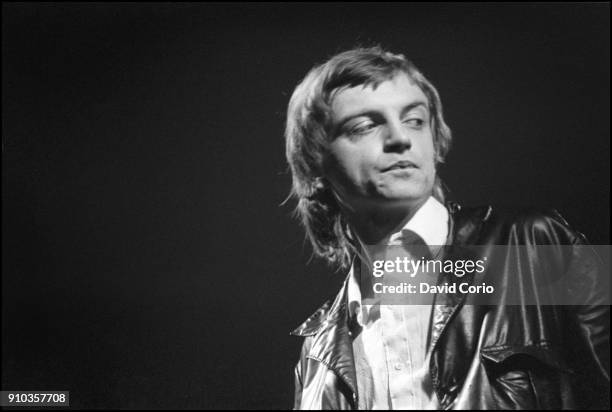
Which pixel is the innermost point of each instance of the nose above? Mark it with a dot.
(397, 138)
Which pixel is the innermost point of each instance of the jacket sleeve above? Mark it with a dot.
(587, 310)
(299, 374)
(297, 382)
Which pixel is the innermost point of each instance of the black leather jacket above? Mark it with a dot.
(483, 357)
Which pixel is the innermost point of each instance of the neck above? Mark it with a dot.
(376, 225)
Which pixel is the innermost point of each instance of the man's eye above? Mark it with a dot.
(415, 122)
(361, 128)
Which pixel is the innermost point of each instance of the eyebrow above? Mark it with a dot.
(405, 109)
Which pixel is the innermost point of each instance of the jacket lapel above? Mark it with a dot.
(463, 227)
(332, 342)
(461, 231)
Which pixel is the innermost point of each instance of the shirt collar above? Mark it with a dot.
(430, 223)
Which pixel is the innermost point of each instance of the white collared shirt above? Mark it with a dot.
(391, 354)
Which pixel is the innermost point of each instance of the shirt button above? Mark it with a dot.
(398, 366)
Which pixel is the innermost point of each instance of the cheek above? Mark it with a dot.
(342, 158)
(429, 154)
(347, 165)
(428, 150)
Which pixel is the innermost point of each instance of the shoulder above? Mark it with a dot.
(522, 224)
(540, 226)
(314, 322)
(330, 312)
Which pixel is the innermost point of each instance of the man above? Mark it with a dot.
(365, 134)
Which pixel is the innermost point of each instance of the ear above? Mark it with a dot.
(317, 187)
(318, 184)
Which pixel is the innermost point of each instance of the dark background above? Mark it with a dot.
(146, 260)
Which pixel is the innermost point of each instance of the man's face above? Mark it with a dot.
(381, 151)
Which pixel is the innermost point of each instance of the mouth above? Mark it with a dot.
(401, 165)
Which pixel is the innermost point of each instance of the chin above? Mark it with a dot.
(403, 199)
(406, 193)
